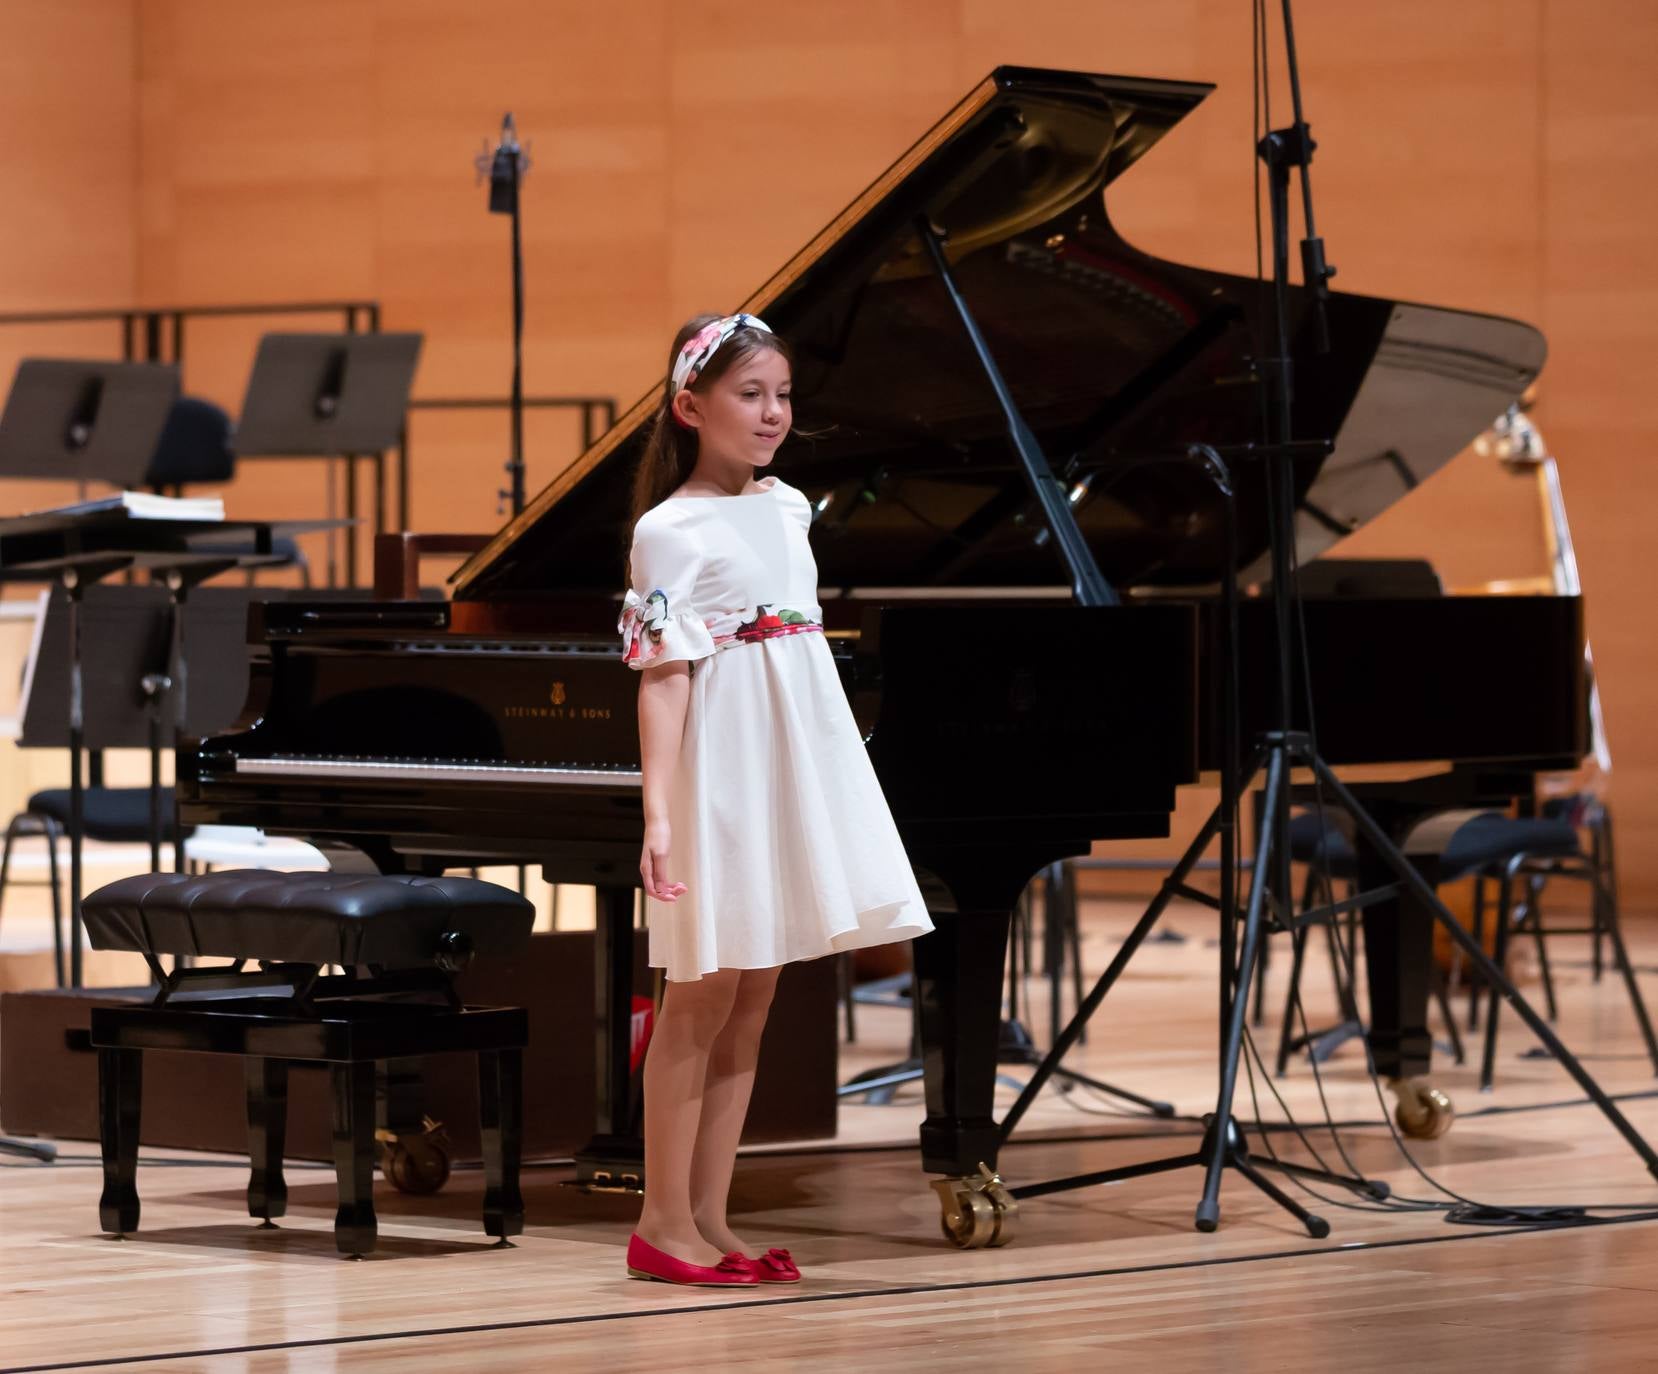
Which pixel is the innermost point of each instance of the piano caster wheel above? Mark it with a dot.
(415, 1162)
(1423, 1111)
(977, 1212)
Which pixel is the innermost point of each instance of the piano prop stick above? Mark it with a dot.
(332, 396)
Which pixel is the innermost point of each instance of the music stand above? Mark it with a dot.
(330, 396)
(78, 421)
(81, 551)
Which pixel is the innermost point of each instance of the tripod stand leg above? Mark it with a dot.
(1136, 937)
(1477, 956)
(1208, 1207)
(1316, 1226)
(1153, 1106)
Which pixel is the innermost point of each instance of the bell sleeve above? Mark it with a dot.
(659, 623)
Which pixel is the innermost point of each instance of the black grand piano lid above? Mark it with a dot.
(1117, 359)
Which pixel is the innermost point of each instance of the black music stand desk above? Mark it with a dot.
(77, 421)
(333, 396)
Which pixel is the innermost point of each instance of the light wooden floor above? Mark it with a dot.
(1107, 1275)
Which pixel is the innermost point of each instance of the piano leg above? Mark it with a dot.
(958, 989)
(614, 1159)
(958, 979)
(1398, 951)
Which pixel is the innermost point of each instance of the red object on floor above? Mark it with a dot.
(639, 1034)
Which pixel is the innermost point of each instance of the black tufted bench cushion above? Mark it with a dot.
(392, 920)
(401, 940)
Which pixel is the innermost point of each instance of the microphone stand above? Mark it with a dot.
(506, 168)
(1278, 752)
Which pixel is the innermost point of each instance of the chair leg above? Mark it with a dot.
(1443, 1001)
(1620, 954)
(6, 858)
(1534, 918)
(1598, 893)
(1073, 940)
(1479, 939)
(500, 1121)
(267, 1083)
(59, 954)
(1340, 929)
(843, 989)
(1488, 1063)
(354, 1223)
(1286, 1030)
(1292, 993)
(120, 1096)
(1263, 958)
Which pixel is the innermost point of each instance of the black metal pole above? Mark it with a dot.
(515, 465)
(77, 796)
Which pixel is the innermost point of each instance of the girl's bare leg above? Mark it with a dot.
(676, 1069)
(725, 1105)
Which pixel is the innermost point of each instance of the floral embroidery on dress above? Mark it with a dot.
(767, 623)
(641, 625)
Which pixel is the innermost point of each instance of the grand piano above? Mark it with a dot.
(1010, 726)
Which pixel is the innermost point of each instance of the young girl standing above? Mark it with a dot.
(767, 839)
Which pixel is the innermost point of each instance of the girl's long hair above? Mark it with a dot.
(671, 448)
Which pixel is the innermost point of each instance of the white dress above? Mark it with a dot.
(779, 828)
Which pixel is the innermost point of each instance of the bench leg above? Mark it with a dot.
(267, 1133)
(500, 1120)
(354, 1228)
(120, 1095)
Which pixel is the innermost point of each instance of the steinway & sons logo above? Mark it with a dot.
(557, 707)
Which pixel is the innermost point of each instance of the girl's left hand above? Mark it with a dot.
(653, 864)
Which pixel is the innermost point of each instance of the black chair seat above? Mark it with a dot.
(1485, 840)
(112, 814)
(1312, 842)
(396, 921)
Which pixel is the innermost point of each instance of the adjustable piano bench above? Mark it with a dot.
(400, 941)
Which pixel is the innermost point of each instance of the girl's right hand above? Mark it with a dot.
(653, 864)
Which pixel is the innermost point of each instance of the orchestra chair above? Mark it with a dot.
(194, 449)
(400, 940)
(30, 823)
(1322, 846)
(1535, 851)
(110, 815)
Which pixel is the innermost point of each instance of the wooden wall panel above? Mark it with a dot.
(69, 173)
(1491, 154)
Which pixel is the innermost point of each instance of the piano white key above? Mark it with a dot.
(394, 770)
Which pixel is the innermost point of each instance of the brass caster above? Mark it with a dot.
(977, 1212)
(415, 1162)
(1423, 1111)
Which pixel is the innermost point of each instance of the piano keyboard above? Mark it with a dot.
(436, 770)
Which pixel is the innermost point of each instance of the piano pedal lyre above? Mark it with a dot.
(1423, 1111)
(976, 1212)
(415, 1161)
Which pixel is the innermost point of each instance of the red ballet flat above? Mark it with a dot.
(775, 1266)
(647, 1262)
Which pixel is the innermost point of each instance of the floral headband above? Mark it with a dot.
(705, 343)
